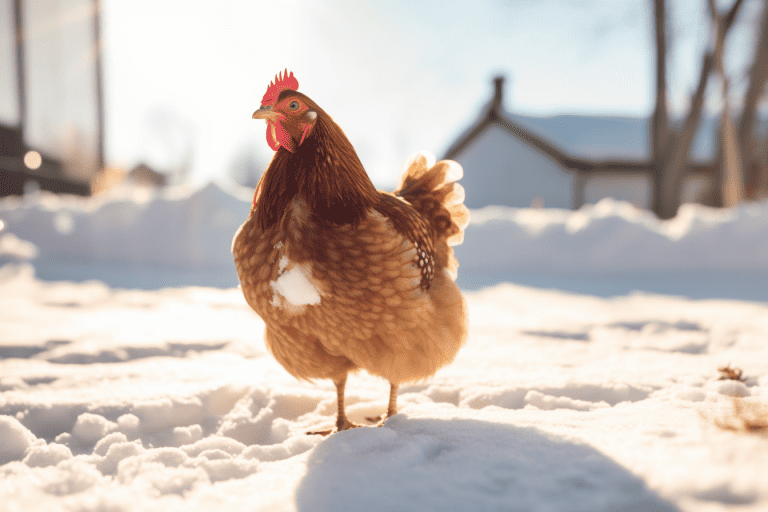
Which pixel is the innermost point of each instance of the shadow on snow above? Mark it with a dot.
(466, 464)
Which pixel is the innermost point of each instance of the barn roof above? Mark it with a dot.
(496, 115)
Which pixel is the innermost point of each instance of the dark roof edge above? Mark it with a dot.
(496, 115)
(466, 140)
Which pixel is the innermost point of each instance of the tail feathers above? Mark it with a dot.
(431, 189)
(420, 172)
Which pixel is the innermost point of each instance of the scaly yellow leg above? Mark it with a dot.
(342, 422)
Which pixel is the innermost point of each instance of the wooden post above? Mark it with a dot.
(21, 97)
(754, 164)
(99, 86)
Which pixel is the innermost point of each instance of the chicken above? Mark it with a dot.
(344, 276)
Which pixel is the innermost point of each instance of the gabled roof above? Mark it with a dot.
(143, 174)
(496, 115)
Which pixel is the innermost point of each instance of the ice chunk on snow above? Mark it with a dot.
(102, 447)
(116, 453)
(224, 444)
(128, 424)
(15, 438)
(89, 428)
(732, 388)
(48, 455)
(187, 435)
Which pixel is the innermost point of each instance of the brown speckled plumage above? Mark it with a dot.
(374, 268)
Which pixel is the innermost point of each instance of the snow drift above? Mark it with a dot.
(184, 237)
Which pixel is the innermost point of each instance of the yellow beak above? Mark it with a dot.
(266, 113)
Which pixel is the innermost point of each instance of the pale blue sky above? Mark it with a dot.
(397, 76)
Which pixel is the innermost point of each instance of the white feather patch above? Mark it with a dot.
(294, 286)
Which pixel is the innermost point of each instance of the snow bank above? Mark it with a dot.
(615, 237)
(176, 229)
(15, 438)
(185, 238)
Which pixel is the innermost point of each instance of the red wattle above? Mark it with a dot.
(284, 138)
(278, 137)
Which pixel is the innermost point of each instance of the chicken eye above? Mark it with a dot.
(294, 105)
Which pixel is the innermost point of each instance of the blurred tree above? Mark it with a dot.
(671, 148)
(755, 167)
(729, 154)
(660, 120)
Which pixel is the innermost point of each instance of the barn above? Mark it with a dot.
(510, 164)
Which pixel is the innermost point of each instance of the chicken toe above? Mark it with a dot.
(342, 422)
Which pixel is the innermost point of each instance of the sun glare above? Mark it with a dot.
(33, 160)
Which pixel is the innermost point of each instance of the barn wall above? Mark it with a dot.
(634, 188)
(500, 169)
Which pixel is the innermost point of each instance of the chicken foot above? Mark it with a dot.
(342, 422)
(391, 407)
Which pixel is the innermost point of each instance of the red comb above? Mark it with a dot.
(281, 83)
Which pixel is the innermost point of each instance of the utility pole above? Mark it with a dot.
(99, 85)
(20, 69)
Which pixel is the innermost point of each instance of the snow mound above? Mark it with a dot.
(616, 237)
(182, 237)
(90, 428)
(46, 455)
(15, 438)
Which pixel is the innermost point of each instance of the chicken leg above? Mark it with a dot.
(391, 407)
(342, 422)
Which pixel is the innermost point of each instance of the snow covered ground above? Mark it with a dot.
(126, 394)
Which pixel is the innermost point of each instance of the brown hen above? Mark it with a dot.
(344, 276)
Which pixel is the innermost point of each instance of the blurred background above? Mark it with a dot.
(546, 104)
